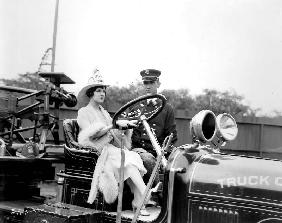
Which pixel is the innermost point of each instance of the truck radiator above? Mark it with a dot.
(203, 214)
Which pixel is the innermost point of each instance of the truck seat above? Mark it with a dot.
(79, 160)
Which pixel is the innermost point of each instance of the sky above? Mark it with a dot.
(227, 45)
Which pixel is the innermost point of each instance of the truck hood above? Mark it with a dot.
(238, 178)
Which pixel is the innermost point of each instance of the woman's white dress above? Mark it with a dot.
(106, 174)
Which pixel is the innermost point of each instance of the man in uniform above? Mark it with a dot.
(163, 125)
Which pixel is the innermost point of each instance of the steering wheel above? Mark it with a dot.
(147, 105)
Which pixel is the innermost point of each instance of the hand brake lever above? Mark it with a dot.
(166, 144)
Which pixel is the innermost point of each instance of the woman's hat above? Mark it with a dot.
(95, 80)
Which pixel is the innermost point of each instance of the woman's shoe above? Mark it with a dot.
(142, 212)
(151, 203)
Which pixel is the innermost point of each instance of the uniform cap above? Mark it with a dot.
(150, 74)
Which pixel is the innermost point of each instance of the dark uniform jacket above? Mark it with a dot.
(162, 125)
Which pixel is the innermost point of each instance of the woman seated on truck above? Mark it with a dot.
(96, 130)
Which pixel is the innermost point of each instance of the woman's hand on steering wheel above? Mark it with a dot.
(125, 124)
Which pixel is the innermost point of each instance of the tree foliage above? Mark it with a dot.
(27, 80)
(121, 95)
(180, 99)
(220, 102)
(216, 101)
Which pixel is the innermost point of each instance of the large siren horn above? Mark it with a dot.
(203, 126)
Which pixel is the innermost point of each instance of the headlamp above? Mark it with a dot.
(206, 127)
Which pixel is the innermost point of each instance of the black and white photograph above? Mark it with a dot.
(140, 111)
